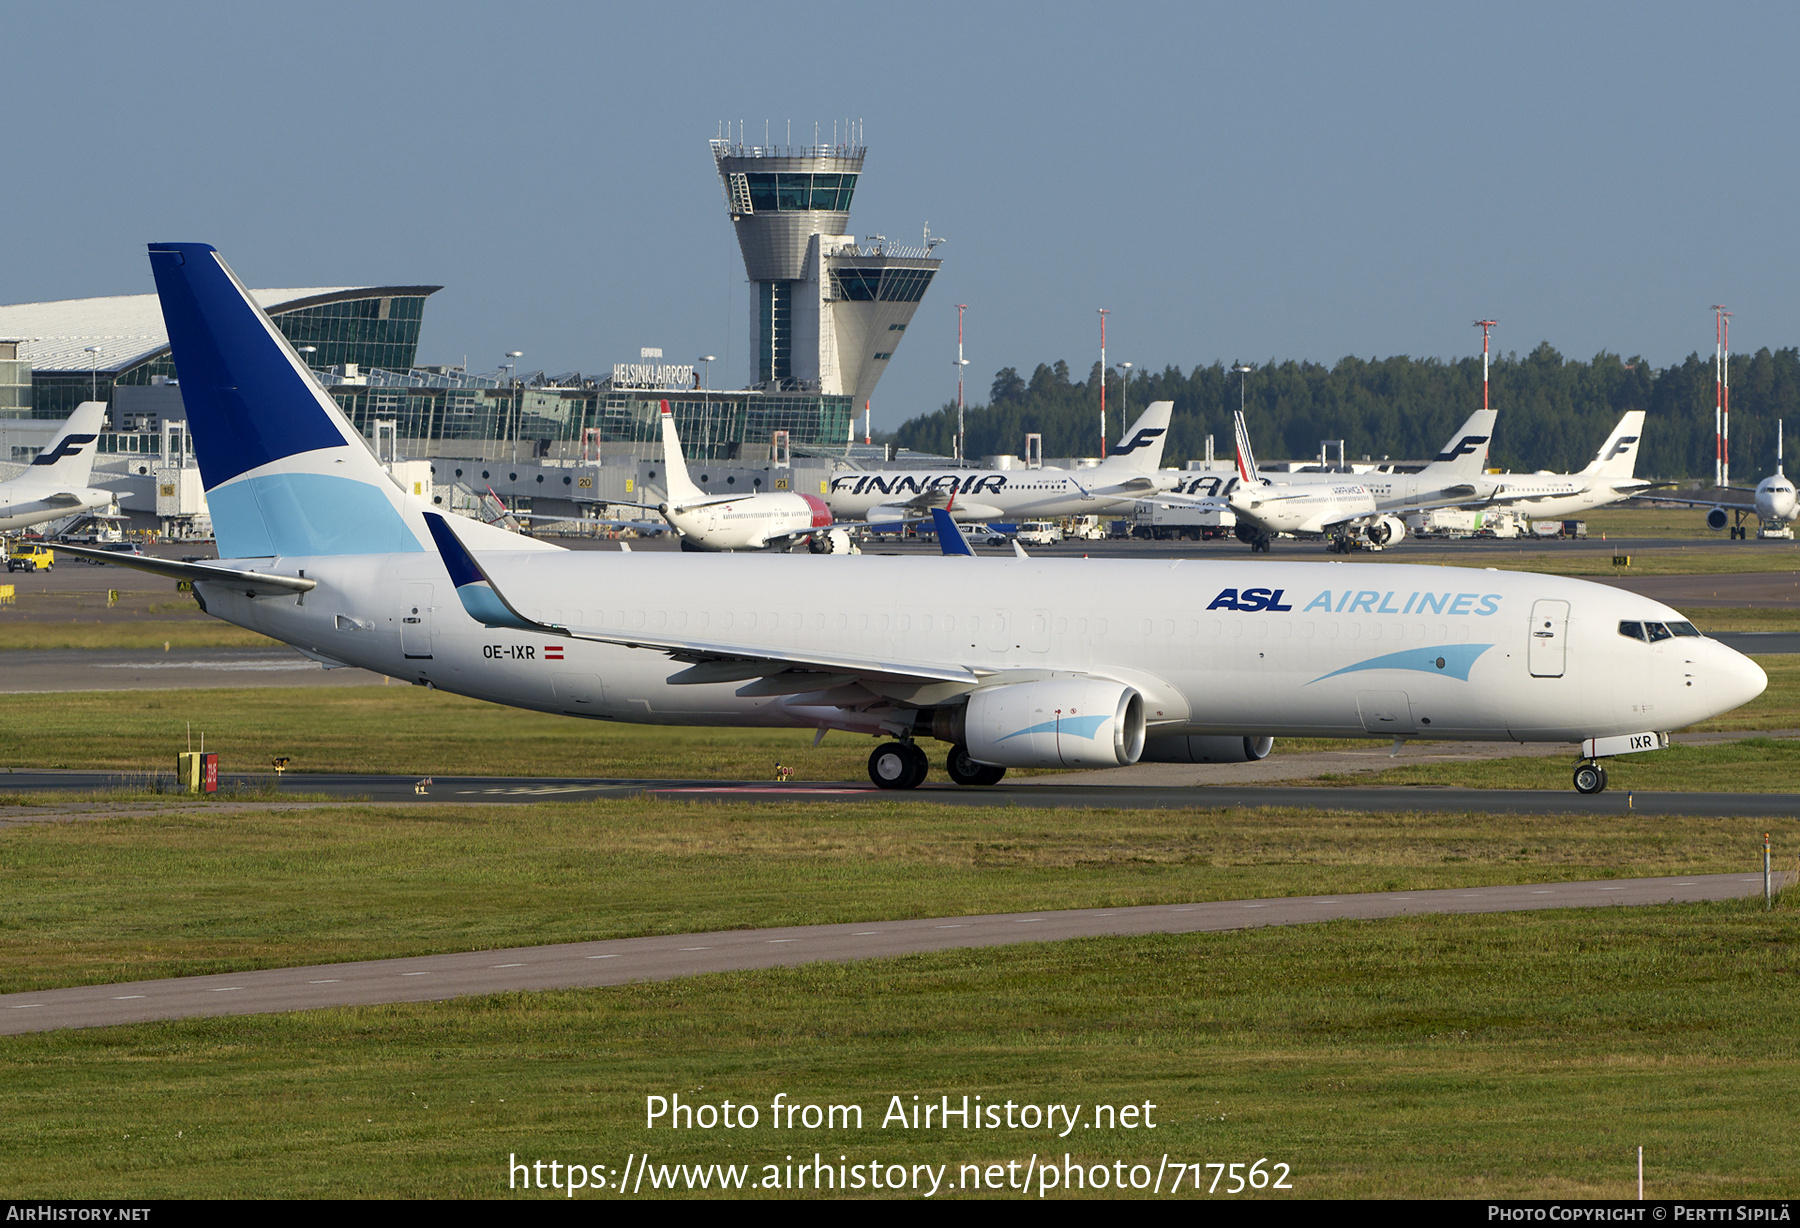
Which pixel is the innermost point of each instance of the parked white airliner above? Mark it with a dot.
(1264, 509)
(1451, 479)
(1774, 501)
(1126, 476)
(751, 521)
(55, 484)
(1014, 662)
(1608, 478)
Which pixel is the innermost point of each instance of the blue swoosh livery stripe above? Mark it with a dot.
(1074, 726)
(1451, 660)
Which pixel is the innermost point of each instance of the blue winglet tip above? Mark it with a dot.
(458, 561)
(950, 537)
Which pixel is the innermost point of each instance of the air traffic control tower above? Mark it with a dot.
(826, 314)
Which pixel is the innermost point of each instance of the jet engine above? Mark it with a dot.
(1718, 518)
(1059, 722)
(832, 541)
(1180, 749)
(1386, 531)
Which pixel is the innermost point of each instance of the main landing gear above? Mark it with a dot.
(902, 765)
(898, 765)
(1590, 777)
(965, 771)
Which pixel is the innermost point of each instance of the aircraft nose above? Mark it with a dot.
(1731, 679)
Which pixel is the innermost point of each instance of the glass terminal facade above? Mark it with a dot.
(376, 331)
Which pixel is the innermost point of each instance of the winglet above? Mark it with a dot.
(477, 593)
(949, 533)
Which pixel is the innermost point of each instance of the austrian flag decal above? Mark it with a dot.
(553, 652)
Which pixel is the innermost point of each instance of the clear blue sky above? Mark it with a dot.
(1233, 181)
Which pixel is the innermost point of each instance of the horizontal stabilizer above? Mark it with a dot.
(254, 583)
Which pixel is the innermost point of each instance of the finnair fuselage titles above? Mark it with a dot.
(981, 494)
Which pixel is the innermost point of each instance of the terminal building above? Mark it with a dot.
(827, 315)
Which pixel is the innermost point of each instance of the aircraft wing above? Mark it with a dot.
(255, 583)
(1683, 501)
(709, 661)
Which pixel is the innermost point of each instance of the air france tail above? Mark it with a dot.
(1246, 459)
(285, 472)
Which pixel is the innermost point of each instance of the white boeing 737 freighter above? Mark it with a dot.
(1013, 662)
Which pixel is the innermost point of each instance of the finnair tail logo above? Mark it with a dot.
(1623, 445)
(1464, 446)
(68, 445)
(1141, 439)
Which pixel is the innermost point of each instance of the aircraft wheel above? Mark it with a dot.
(898, 765)
(1590, 778)
(965, 771)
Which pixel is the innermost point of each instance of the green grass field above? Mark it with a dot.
(185, 891)
(1521, 1055)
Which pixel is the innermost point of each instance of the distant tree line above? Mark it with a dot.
(1554, 412)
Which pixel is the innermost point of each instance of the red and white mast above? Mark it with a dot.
(1721, 396)
(1484, 326)
(1102, 311)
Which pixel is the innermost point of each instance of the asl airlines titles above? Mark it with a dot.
(1350, 601)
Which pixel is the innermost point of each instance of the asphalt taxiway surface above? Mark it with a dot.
(664, 957)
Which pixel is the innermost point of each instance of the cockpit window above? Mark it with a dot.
(1633, 631)
(1656, 632)
(1688, 629)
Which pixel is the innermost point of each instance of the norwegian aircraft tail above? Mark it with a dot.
(676, 479)
(1140, 449)
(69, 460)
(1466, 455)
(1617, 457)
(285, 472)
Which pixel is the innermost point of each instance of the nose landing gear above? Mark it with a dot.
(1590, 777)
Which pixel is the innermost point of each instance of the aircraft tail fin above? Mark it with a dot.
(69, 460)
(285, 472)
(1246, 459)
(1466, 455)
(949, 533)
(676, 479)
(1617, 457)
(1140, 448)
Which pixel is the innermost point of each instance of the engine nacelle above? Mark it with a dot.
(1060, 722)
(832, 541)
(1177, 748)
(1718, 518)
(1386, 531)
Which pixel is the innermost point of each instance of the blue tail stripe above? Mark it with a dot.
(246, 403)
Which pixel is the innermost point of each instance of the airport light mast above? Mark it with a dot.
(1103, 312)
(1722, 396)
(961, 362)
(1484, 326)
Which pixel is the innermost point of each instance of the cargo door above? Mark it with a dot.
(415, 622)
(1387, 714)
(578, 694)
(1549, 638)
